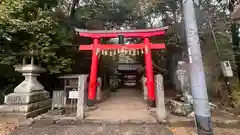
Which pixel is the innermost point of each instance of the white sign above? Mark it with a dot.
(73, 94)
(226, 68)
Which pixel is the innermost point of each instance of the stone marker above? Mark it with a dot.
(160, 104)
(144, 87)
(99, 89)
(29, 98)
(82, 90)
(160, 99)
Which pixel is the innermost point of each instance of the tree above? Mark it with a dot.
(43, 26)
(32, 25)
(29, 25)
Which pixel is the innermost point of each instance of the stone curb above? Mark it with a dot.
(46, 121)
(76, 121)
(138, 122)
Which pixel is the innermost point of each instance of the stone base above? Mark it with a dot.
(56, 112)
(26, 115)
(26, 104)
(25, 108)
(26, 98)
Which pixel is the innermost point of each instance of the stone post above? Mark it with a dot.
(29, 98)
(82, 96)
(99, 89)
(144, 87)
(160, 104)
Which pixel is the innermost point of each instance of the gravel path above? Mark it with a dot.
(7, 125)
(93, 129)
(120, 129)
(216, 131)
(123, 105)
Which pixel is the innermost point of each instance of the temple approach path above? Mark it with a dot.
(125, 105)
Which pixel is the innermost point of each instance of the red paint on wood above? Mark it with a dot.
(149, 70)
(117, 46)
(93, 73)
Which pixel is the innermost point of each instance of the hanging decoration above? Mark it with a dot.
(142, 51)
(110, 53)
(138, 53)
(115, 52)
(106, 52)
(134, 52)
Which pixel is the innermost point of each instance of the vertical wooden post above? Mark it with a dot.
(149, 72)
(93, 73)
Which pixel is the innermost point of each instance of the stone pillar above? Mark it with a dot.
(29, 98)
(99, 89)
(82, 96)
(160, 104)
(144, 87)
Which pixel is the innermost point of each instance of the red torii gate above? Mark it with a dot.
(96, 47)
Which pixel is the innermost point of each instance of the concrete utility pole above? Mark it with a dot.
(197, 76)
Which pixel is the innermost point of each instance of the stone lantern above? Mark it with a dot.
(29, 98)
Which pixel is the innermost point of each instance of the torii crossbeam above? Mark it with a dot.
(96, 47)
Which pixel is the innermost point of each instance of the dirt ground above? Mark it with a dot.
(94, 129)
(10, 126)
(101, 129)
(192, 131)
(7, 125)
